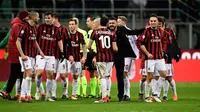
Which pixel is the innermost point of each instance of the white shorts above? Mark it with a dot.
(60, 67)
(76, 68)
(129, 67)
(143, 72)
(104, 69)
(169, 69)
(28, 64)
(155, 65)
(47, 63)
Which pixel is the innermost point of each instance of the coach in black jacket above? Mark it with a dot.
(124, 50)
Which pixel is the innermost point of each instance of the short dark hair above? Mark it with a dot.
(113, 18)
(71, 19)
(153, 15)
(161, 19)
(48, 13)
(104, 21)
(92, 18)
(57, 16)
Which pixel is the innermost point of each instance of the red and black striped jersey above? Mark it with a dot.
(76, 40)
(103, 38)
(47, 35)
(28, 38)
(154, 41)
(65, 37)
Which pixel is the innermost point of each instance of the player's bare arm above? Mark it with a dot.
(84, 53)
(60, 44)
(19, 47)
(115, 48)
(150, 56)
(38, 48)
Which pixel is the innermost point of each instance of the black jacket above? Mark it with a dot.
(124, 47)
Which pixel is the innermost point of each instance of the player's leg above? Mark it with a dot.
(127, 66)
(40, 65)
(101, 69)
(109, 66)
(160, 67)
(150, 69)
(171, 81)
(76, 69)
(54, 84)
(83, 84)
(50, 67)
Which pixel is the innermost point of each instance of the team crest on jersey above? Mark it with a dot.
(22, 32)
(143, 36)
(156, 37)
(30, 31)
(44, 31)
(170, 38)
(52, 32)
(152, 34)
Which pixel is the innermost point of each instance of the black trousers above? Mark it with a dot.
(15, 73)
(119, 65)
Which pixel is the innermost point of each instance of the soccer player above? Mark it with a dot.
(82, 81)
(90, 55)
(26, 45)
(47, 36)
(15, 75)
(129, 65)
(152, 45)
(105, 41)
(61, 68)
(76, 66)
(171, 45)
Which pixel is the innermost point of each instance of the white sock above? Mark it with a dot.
(74, 86)
(23, 88)
(18, 86)
(49, 85)
(41, 88)
(64, 86)
(108, 82)
(173, 86)
(28, 85)
(160, 84)
(165, 88)
(38, 82)
(103, 87)
(127, 87)
(67, 84)
(54, 85)
(147, 89)
(154, 84)
(141, 87)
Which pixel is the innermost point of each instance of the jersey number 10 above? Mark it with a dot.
(105, 41)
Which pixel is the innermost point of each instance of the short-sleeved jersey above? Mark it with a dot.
(76, 41)
(154, 41)
(65, 37)
(47, 35)
(28, 38)
(103, 38)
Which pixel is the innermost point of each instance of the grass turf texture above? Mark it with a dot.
(188, 94)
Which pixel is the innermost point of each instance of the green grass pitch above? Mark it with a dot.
(188, 94)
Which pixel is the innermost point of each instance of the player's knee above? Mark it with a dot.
(75, 77)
